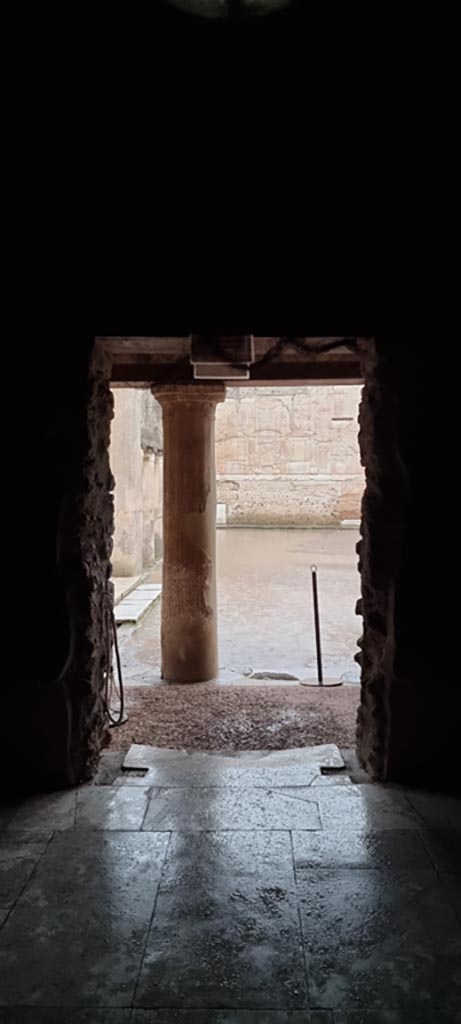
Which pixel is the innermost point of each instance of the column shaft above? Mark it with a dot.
(189, 610)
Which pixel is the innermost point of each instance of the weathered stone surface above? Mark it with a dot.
(189, 614)
(151, 423)
(133, 607)
(53, 722)
(136, 461)
(126, 458)
(410, 705)
(152, 479)
(152, 522)
(289, 456)
(382, 524)
(200, 769)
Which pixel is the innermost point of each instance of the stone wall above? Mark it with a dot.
(136, 462)
(289, 456)
(152, 479)
(285, 457)
(56, 558)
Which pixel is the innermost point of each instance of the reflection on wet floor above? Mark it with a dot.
(265, 606)
(251, 889)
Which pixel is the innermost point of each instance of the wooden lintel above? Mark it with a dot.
(318, 371)
(270, 373)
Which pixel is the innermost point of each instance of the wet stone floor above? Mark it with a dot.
(265, 619)
(258, 889)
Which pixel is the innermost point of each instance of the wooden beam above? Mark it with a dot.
(319, 371)
(270, 373)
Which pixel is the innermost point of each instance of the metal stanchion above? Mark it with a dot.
(318, 647)
(320, 681)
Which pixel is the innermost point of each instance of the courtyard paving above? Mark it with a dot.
(265, 625)
(265, 619)
(246, 890)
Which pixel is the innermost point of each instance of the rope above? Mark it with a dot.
(111, 685)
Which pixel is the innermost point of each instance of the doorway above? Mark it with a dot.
(321, 525)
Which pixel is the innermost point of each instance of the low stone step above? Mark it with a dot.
(319, 759)
(136, 604)
(124, 585)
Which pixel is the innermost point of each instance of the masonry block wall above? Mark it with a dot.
(410, 711)
(285, 456)
(136, 462)
(288, 456)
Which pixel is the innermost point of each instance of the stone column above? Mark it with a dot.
(189, 613)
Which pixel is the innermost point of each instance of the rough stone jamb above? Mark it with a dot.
(383, 516)
(88, 591)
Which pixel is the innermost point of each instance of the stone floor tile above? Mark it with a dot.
(397, 848)
(227, 900)
(219, 944)
(138, 752)
(415, 1015)
(324, 755)
(214, 808)
(138, 779)
(178, 776)
(111, 807)
(365, 807)
(183, 769)
(123, 585)
(109, 768)
(444, 848)
(270, 776)
(379, 939)
(62, 1015)
(353, 766)
(52, 812)
(134, 607)
(76, 935)
(257, 768)
(333, 779)
(19, 853)
(3, 915)
(231, 1017)
(436, 811)
(198, 859)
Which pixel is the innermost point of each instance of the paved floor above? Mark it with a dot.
(123, 585)
(134, 606)
(231, 891)
(265, 608)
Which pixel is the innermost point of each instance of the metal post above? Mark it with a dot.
(317, 624)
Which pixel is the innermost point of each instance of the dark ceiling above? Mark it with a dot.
(264, 176)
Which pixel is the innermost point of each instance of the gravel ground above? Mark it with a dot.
(205, 716)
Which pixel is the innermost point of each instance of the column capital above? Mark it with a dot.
(190, 394)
